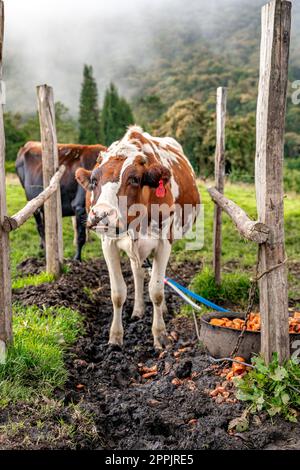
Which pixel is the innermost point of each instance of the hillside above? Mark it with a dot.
(167, 57)
(218, 48)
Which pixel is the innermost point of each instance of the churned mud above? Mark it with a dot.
(136, 398)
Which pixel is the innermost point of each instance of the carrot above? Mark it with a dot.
(148, 375)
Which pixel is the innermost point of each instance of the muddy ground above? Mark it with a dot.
(128, 411)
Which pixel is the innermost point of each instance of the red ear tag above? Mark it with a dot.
(160, 191)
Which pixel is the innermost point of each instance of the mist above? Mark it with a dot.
(49, 41)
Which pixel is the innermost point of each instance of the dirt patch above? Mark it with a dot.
(131, 411)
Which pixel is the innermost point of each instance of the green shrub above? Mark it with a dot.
(292, 180)
(292, 163)
(234, 288)
(273, 388)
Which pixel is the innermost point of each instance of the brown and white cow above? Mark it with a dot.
(145, 172)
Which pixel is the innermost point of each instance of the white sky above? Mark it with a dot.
(49, 41)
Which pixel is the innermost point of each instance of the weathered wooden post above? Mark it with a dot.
(5, 277)
(52, 207)
(271, 110)
(219, 180)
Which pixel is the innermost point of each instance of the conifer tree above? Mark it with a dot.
(116, 116)
(89, 116)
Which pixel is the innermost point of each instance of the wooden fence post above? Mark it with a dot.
(52, 207)
(5, 277)
(219, 180)
(271, 110)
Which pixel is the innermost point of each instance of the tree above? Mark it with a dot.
(195, 128)
(292, 145)
(240, 146)
(18, 131)
(67, 131)
(66, 127)
(89, 115)
(115, 117)
(187, 121)
(15, 135)
(148, 109)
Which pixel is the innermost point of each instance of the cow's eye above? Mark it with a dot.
(134, 181)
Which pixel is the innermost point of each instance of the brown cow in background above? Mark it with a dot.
(73, 197)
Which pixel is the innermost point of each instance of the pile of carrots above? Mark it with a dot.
(253, 323)
(224, 392)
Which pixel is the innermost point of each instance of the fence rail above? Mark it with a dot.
(16, 221)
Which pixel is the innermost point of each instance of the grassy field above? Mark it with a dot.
(237, 252)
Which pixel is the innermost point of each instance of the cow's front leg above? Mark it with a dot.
(139, 281)
(157, 293)
(39, 218)
(118, 289)
(80, 232)
(74, 224)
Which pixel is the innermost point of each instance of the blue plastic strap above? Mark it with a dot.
(200, 299)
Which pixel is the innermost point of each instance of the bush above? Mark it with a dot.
(291, 180)
(272, 388)
(292, 144)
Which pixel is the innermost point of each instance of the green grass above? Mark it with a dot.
(35, 363)
(34, 280)
(10, 166)
(234, 289)
(234, 248)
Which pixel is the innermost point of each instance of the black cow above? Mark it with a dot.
(73, 196)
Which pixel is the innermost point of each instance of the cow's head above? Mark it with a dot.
(117, 184)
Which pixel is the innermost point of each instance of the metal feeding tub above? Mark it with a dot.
(220, 341)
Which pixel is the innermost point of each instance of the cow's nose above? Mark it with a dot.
(93, 220)
(104, 219)
(104, 216)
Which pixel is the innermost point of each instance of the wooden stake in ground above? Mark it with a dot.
(52, 207)
(5, 277)
(219, 180)
(271, 110)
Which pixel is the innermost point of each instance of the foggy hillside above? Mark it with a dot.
(134, 43)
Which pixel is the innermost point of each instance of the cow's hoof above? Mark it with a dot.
(77, 258)
(137, 315)
(114, 348)
(116, 340)
(161, 342)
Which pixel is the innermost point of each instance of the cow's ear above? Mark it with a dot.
(154, 174)
(83, 177)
